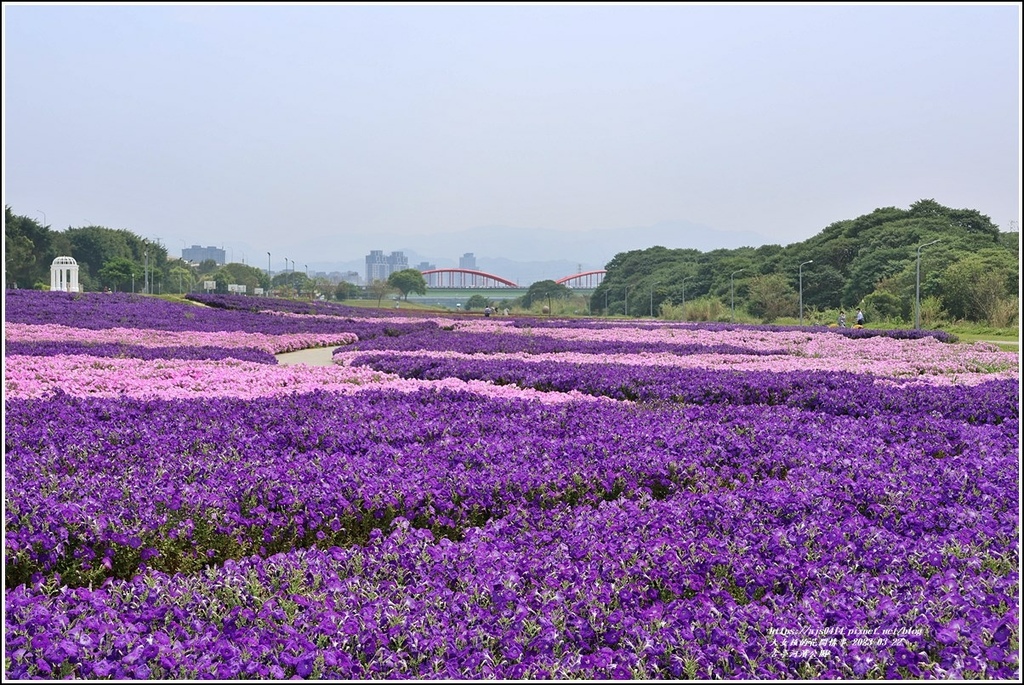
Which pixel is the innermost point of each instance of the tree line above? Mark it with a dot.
(119, 260)
(971, 271)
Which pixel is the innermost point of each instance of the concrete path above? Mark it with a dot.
(314, 356)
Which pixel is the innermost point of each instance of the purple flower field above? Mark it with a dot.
(517, 499)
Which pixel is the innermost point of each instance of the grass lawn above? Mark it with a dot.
(1007, 342)
(390, 304)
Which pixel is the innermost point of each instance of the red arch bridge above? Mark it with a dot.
(471, 278)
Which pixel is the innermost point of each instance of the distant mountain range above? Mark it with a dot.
(523, 255)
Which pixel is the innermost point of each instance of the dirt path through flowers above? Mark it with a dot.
(314, 356)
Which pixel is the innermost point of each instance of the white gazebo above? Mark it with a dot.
(64, 274)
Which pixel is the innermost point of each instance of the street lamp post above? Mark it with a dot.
(146, 272)
(809, 261)
(682, 285)
(269, 283)
(732, 293)
(917, 295)
(652, 298)
(45, 222)
(625, 297)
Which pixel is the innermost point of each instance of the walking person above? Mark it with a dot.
(860, 317)
(842, 318)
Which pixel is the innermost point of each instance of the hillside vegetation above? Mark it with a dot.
(955, 262)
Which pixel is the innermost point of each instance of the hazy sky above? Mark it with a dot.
(264, 125)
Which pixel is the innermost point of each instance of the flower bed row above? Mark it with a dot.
(781, 351)
(101, 311)
(53, 348)
(35, 377)
(214, 519)
(143, 337)
(828, 392)
(687, 587)
(512, 341)
(175, 484)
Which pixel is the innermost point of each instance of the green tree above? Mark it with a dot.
(988, 296)
(477, 302)
(677, 284)
(869, 270)
(771, 296)
(249, 276)
(208, 266)
(180, 276)
(28, 250)
(291, 281)
(93, 247)
(823, 286)
(119, 272)
(346, 291)
(974, 286)
(1010, 240)
(408, 281)
(883, 306)
(19, 259)
(838, 253)
(866, 223)
(892, 298)
(545, 291)
(379, 289)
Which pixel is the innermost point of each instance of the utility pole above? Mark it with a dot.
(801, 270)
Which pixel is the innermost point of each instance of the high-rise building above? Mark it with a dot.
(379, 267)
(432, 279)
(199, 254)
(468, 261)
(353, 277)
(376, 266)
(397, 261)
